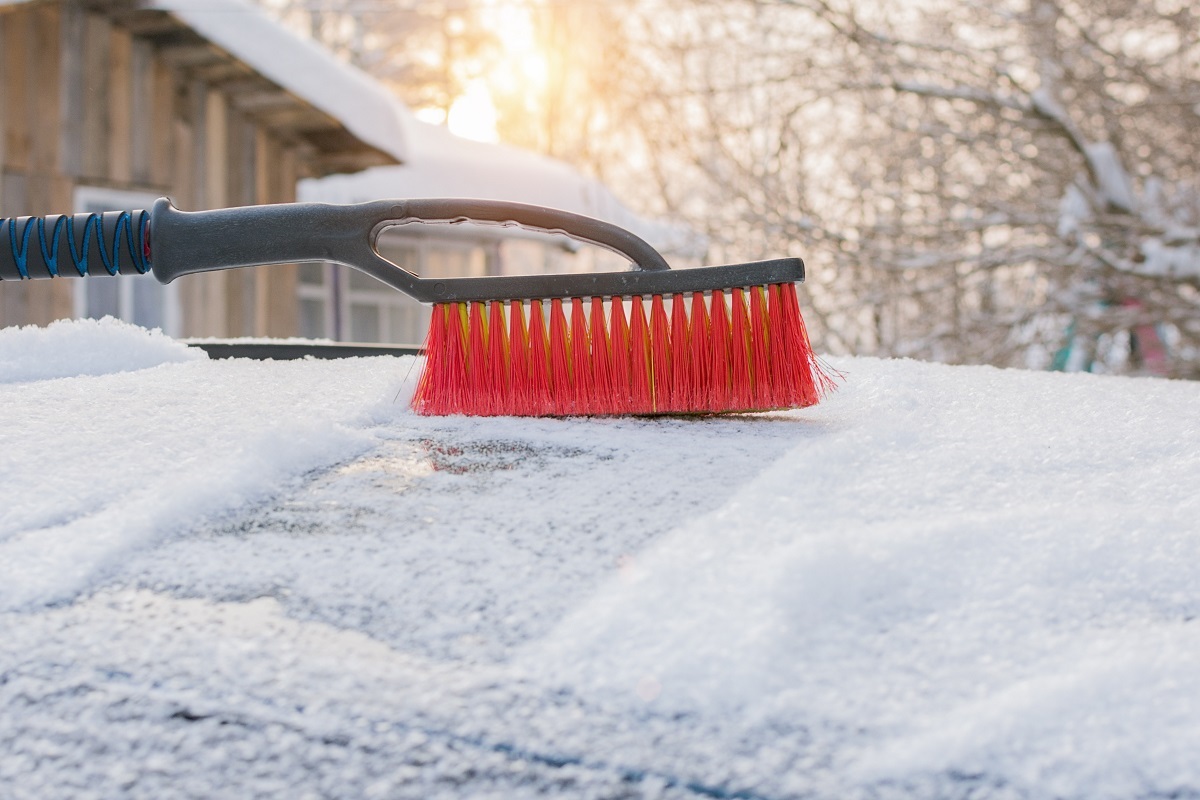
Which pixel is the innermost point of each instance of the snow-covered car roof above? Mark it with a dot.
(264, 579)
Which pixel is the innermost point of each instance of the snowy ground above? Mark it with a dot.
(241, 579)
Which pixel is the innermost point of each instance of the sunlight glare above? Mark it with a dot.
(525, 68)
(509, 81)
(535, 68)
(434, 116)
(473, 114)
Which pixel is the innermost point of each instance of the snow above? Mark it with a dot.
(1073, 210)
(1112, 179)
(1179, 261)
(84, 347)
(231, 578)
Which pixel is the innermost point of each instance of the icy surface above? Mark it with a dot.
(229, 578)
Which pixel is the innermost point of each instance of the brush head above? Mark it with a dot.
(695, 354)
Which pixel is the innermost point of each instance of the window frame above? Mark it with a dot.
(338, 293)
(93, 199)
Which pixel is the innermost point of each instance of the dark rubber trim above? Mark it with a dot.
(290, 351)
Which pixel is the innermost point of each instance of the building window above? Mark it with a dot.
(314, 292)
(347, 305)
(139, 299)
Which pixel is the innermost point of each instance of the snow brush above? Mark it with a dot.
(729, 338)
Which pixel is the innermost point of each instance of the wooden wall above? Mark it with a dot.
(30, 173)
(85, 102)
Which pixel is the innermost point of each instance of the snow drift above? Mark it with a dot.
(256, 578)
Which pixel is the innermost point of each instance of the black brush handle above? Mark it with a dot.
(187, 242)
(171, 243)
(112, 243)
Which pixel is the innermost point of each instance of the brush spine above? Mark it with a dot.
(620, 284)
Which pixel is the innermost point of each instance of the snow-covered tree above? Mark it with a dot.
(1010, 183)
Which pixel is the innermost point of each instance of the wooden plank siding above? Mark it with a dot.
(133, 101)
(120, 107)
(31, 178)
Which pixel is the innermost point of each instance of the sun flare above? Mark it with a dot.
(518, 71)
(473, 114)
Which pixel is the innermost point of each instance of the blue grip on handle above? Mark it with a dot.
(112, 243)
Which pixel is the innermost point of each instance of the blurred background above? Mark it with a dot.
(1010, 182)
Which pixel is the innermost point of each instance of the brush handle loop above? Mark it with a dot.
(201, 241)
(112, 243)
(535, 218)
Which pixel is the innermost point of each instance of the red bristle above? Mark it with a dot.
(602, 374)
(561, 390)
(760, 362)
(641, 401)
(454, 390)
(497, 360)
(430, 391)
(520, 391)
(682, 390)
(660, 356)
(719, 397)
(784, 385)
(741, 389)
(812, 380)
(619, 345)
(701, 345)
(582, 381)
(478, 394)
(477, 363)
(539, 363)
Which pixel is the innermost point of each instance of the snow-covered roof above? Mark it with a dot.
(441, 164)
(268, 579)
(302, 67)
